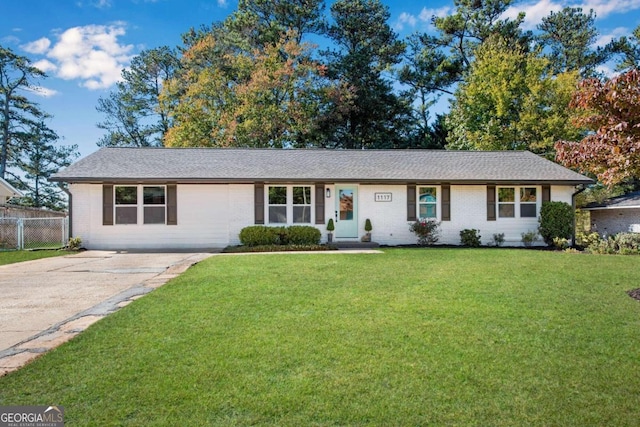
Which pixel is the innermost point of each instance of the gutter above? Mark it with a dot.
(63, 188)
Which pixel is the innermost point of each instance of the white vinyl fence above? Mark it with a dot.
(33, 233)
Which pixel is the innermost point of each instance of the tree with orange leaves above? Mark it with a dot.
(610, 112)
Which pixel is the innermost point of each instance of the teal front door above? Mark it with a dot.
(346, 211)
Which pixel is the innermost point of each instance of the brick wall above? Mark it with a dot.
(613, 221)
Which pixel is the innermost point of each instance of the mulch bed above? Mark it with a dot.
(634, 293)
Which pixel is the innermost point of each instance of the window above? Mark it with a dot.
(126, 204)
(301, 205)
(506, 202)
(290, 204)
(154, 204)
(528, 202)
(427, 202)
(278, 205)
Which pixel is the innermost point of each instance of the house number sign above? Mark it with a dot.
(383, 197)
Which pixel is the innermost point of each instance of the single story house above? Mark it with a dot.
(126, 198)
(7, 191)
(616, 215)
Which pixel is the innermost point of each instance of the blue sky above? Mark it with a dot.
(84, 44)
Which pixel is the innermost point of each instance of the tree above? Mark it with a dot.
(610, 110)
(134, 116)
(367, 47)
(509, 101)
(569, 35)
(17, 113)
(39, 159)
(629, 49)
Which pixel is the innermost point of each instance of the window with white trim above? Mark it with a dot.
(427, 202)
(289, 204)
(154, 205)
(126, 204)
(521, 202)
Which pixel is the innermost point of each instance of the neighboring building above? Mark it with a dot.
(7, 191)
(616, 215)
(202, 197)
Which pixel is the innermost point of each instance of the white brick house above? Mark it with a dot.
(126, 198)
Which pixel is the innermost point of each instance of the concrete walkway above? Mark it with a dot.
(46, 302)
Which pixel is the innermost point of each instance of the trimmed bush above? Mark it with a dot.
(470, 237)
(259, 235)
(529, 238)
(556, 220)
(427, 231)
(303, 235)
(262, 235)
(621, 244)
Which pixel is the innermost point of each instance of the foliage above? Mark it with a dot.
(366, 48)
(278, 248)
(134, 115)
(262, 235)
(498, 239)
(303, 235)
(74, 243)
(569, 35)
(427, 231)
(621, 244)
(629, 49)
(587, 239)
(561, 243)
(470, 237)
(330, 225)
(367, 225)
(611, 111)
(529, 238)
(556, 221)
(509, 101)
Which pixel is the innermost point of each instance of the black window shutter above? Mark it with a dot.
(319, 203)
(172, 204)
(107, 204)
(546, 193)
(259, 203)
(491, 202)
(446, 202)
(411, 203)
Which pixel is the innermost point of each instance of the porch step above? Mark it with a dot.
(356, 245)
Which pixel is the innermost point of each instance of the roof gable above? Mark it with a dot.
(250, 165)
(8, 190)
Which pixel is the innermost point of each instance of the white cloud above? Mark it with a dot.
(405, 19)
(424, 16)
(604, 8)
(534, 12)
(222, 3)
(102, 4)
(45, 65)
(91, 54)
(37, 47)
(605, 39)
(427, 14)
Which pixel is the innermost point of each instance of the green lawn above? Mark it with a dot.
(9, 257)
(409, 337)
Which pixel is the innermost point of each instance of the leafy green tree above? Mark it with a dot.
(629, 50)
(38, 160)
(366, 49)
(134, 116)
(17, 112)
(568, 36)
(509, 101)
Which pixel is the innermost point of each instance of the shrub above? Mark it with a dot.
(621, 243)
(330, 225)
(556, 220)
(470, 237)
(258, 235)
(561, 243)
(303, 235)
(427, 231)
(367, 226)
(585, 240)
(74, 243)
(498, 239)
(529, 237)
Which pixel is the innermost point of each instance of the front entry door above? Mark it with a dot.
(346, 211)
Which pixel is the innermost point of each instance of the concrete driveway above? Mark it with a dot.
(46, 302)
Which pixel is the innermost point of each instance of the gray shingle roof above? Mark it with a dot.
(249, 165)
(628, 201)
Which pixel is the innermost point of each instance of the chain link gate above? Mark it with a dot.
(33, 233)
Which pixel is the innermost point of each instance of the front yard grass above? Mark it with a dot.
(10, 257)
(409, 337)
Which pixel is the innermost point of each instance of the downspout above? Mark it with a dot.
(573, 205)
(63, 188)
